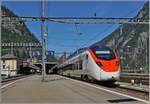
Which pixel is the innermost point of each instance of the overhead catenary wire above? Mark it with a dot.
(111, 25)
(132, 11)
(62, 45)
(61, 19)
(66, 39)
(96, 35)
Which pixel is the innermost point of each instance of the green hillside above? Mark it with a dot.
(16, 32)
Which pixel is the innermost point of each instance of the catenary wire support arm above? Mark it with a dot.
(79, 20)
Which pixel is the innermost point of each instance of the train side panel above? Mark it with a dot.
(87, 63)
(92, 68)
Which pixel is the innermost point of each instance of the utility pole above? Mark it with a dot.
(43, 40)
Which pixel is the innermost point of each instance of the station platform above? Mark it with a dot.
(58, 89)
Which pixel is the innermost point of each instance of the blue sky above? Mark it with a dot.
(63, 37)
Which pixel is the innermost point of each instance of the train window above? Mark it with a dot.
(86, 57)
(102, 52)
(105, 54)
(80, 65)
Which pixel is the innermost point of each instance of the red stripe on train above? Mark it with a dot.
(106, 65)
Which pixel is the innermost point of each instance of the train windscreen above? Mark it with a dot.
(103, 53)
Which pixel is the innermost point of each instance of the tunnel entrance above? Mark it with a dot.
(48, 66)
(26, 70)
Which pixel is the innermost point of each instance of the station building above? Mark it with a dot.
(10, 65)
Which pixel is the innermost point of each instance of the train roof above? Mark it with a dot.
(100, 47)
(77, 52)
(84, 49)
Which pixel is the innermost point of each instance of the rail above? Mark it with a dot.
(4, 80)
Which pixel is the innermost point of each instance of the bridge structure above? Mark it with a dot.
(13, 45)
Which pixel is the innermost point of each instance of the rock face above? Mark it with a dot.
(133, 43)
(16, 32)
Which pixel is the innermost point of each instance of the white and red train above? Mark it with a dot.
(100, 63)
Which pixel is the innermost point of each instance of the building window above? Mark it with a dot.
(4, 66)
(3, 61)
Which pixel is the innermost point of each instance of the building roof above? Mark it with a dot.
(9, 56)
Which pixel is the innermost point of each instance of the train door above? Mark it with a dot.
(85, 62)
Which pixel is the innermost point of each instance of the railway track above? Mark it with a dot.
(136, 93)
(137, 77)
(141, 94)
(13, 78)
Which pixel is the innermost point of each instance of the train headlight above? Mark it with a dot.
(99, 64)
(117, 63)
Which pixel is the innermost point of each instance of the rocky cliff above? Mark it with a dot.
(16, 32)
(132, 43)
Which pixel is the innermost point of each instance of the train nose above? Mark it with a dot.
(109, 66)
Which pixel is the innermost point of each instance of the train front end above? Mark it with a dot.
(107, 62)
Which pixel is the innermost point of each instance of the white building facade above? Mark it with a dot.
(9, 65)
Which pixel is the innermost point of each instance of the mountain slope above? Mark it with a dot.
(133, 42)
(16, 32)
